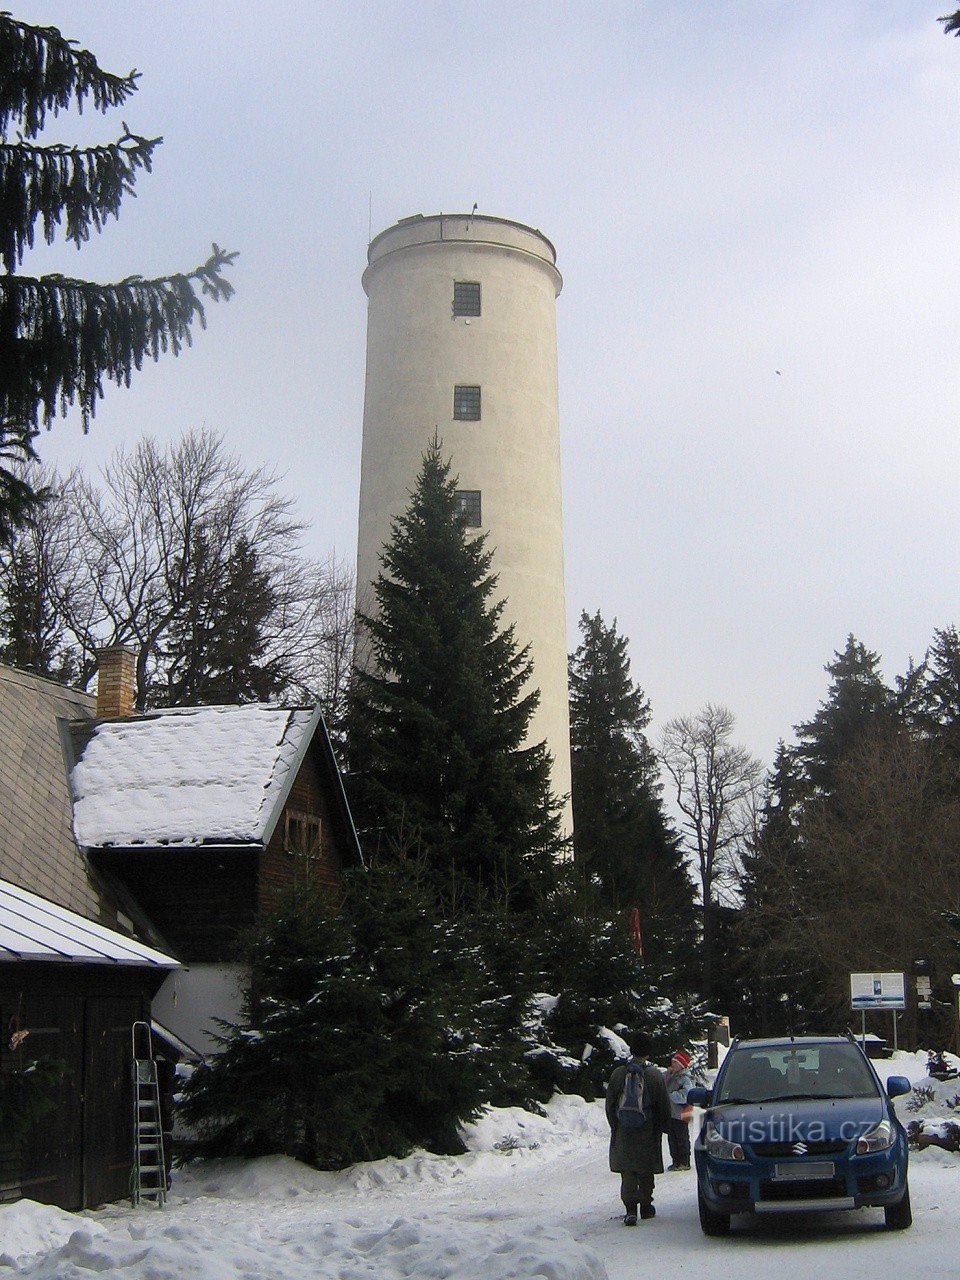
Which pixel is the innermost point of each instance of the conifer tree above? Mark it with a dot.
(808, 793)
(438, 720)
(30, 637)
(857, 702)
(216, 650)
(929, 694)
(372, 1024)
(59, 337)
(868, 797)
(598, 984)
(33, 634)
(621, 836)
(774, 883)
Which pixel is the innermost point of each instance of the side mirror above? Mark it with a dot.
(699, 1097)
(896, 1085)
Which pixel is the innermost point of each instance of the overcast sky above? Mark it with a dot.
(756, 208)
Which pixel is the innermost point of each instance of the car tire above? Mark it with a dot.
(899, 1216)
(713, 1224)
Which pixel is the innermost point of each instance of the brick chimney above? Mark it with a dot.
(116, 682)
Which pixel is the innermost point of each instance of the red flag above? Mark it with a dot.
(635, 936)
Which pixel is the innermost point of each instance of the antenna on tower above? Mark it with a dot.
(472, 212)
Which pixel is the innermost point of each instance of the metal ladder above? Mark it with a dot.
(148, 1177)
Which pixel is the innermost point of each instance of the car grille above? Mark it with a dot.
(787, 1150)
(820, 1189)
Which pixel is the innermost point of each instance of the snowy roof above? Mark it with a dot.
(187, 776)
(31, 928)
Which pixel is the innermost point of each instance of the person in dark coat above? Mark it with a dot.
(637, 1154)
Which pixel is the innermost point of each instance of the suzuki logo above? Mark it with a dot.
(799, 1148)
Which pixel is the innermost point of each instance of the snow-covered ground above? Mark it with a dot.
(533, 1198)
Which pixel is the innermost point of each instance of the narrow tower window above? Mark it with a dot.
(466, 404)
(469, 503)
(466, 298)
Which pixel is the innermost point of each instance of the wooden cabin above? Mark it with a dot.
(198, 817)
(171, 831)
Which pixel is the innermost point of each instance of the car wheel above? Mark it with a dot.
(899, 1216)
(713, 1224)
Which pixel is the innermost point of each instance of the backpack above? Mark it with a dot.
(634, 1111)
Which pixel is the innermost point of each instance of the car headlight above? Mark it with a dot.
(879, 1138)
(721, 1148)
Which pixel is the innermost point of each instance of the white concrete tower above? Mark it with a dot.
(462, 340)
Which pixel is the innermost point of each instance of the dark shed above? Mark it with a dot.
(70, 990)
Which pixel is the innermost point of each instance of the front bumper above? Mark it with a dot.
(752, 1185)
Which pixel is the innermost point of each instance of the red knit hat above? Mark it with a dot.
(682, 1057)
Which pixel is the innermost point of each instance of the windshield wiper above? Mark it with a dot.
(806, 1097)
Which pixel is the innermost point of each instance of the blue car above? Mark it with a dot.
(800, 1124)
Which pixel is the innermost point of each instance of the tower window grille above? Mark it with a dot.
(466, 404)
(468, 501)
(466, 298)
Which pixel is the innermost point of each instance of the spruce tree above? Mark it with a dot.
(438, 720)
(857, 701)
(31, 633)
(216, 650)
(808, 791)
(373, 1023)
(596, 987)
(59, 337)
(774, 881)
(622, 838)
(930, 693)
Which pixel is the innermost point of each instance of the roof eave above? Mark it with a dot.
(102, 962)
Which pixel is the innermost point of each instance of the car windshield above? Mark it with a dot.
(769, 1073)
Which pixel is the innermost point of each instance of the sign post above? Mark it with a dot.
(877, 991)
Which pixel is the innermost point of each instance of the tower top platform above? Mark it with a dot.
(462, 230)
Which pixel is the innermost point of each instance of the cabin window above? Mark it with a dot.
(302, 835)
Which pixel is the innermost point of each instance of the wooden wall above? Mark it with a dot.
(201, 901)
(278, 867)
(79, 1154)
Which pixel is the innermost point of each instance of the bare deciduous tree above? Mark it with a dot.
(317, 637)
(127, 559)
(138, 538)
(716, 785)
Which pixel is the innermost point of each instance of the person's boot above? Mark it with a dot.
(647, 1211)
(630, 1217)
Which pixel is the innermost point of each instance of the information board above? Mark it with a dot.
(877, 991)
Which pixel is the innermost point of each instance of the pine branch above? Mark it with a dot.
(951, 23)
(66, 335)
(86, 184)
(41, 71)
